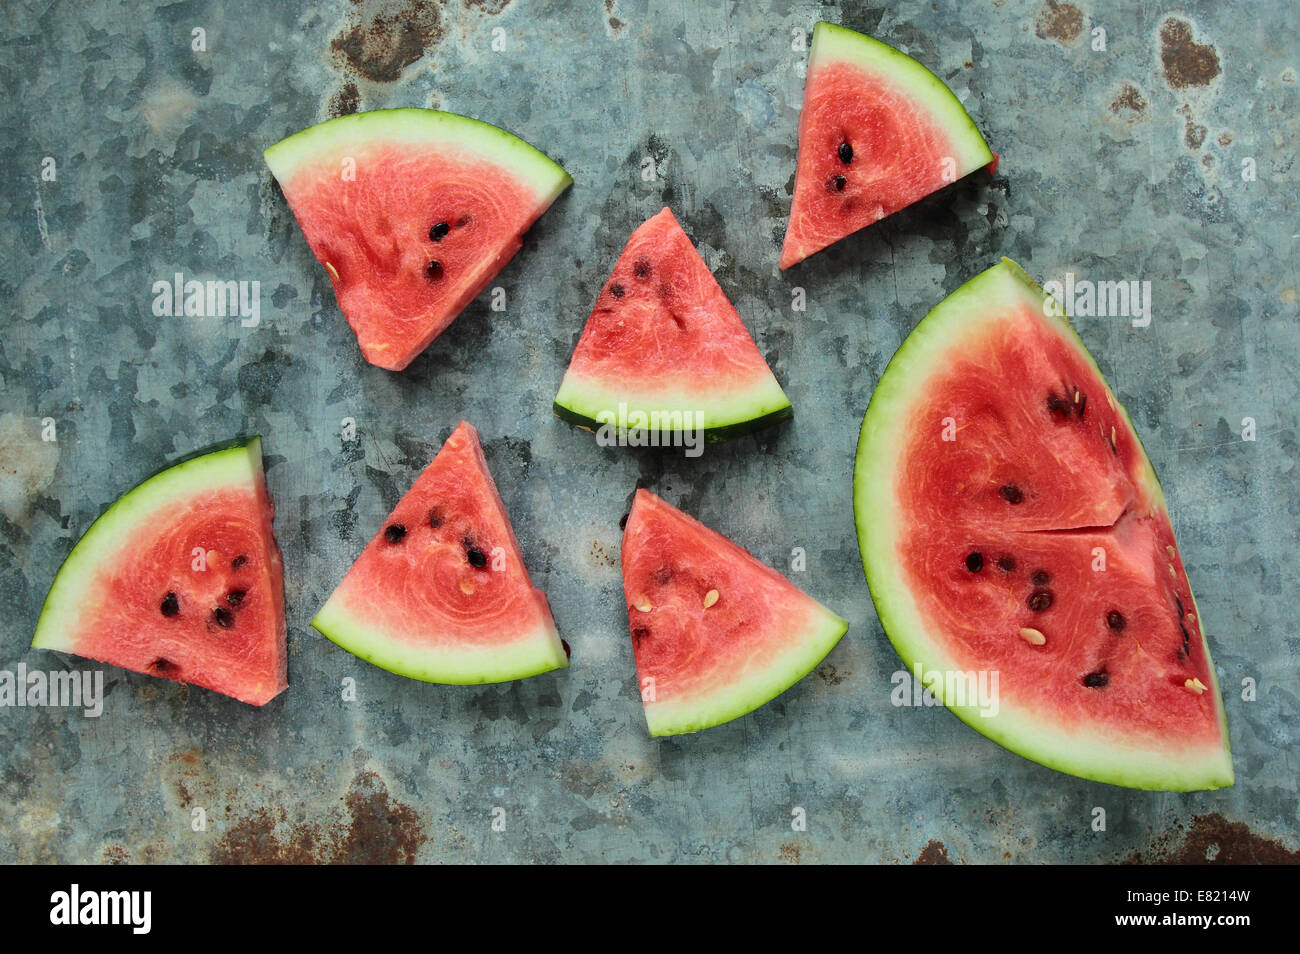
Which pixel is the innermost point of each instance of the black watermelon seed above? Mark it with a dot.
(1187, 637)
(568, 653)
(225, 619)
(1039, 600)
(1181, 611)
(975, 561)
(1083, 403)
(238, 561)
(433, 271)
(846, 153)
(160, 665)
(1006, 563)
(1011, 493)
(640, 633)
(1096, 680)
(838, 183)
(170, 605)
(476, 558)
(622, 521)
(235, 597)
(437, 233)
(435, 521)
(1116, 621)
(617, 290)
(1040, 578)
(1056, 405)
(642, 268)
(394, 532)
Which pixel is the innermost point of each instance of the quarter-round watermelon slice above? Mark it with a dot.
(441, 593)
(1010, 521)
(181, 578)
(716, 633)
(412, 212)
(664, 351)
(877, 132)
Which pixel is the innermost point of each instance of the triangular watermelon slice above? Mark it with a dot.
(716, 633)
(181, 578)
(441, 593)
(412, 212)
(1010, 523)
(664, 352)
(877, 132)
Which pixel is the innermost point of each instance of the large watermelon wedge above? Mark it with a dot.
(180, 578)
(412, 212)
(1010, 521)
(716, 633)
(664, 351)
(877, 132)
(441, 592)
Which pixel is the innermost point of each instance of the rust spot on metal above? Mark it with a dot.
(831, 675)
(490, 7)
(1212, 839)
(373, 829)
(1062, 22)
(790, 852)
(116, 854)
(1186, 62)
(1130, 98)
(933, 854)
(388, 38)
(346, 101)
(1195, 135)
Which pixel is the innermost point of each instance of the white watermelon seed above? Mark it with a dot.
(710, 598)
(1032, 636)
(643, 603)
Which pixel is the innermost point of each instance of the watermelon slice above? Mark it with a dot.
(412, 212)
(877, 132)
(441, 592)
(181, 578)
(1010, 521)
(716, 634)
(665, 351)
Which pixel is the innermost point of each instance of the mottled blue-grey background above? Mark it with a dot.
(1122, 163)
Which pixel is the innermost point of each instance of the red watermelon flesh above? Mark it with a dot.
(1069, 474)
(441, 592)
(412, 213)
(182, 579)
(877, 132)
(1010, 522)
(663, 338)
(716, 633)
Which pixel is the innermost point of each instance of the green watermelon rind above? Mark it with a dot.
(880, 436)
(835, 43)
(809, 648)
(426, 127)
(527, 655)
(765, 404)
(230, 463)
